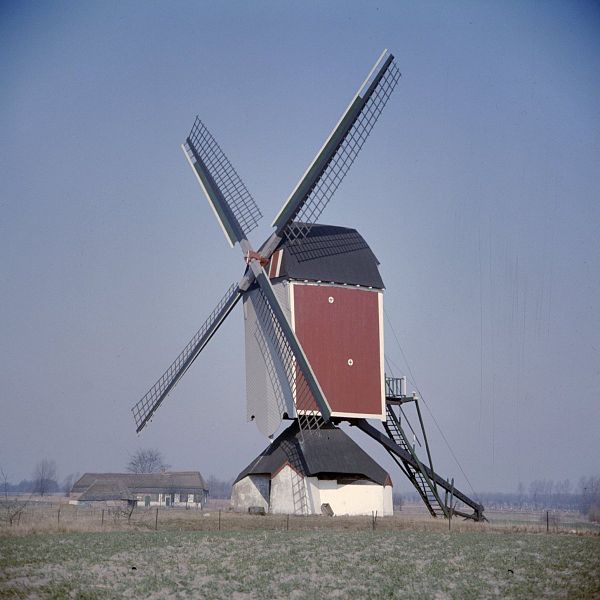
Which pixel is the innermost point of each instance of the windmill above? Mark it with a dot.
(313, 305)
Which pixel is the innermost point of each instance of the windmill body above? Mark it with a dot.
(332, 294)
(310, 472)
(313, 317)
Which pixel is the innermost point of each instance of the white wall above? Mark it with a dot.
(282, 500)
(250, 491)
(344, 499)
(388, 501)
(180, 500)
(355, 499)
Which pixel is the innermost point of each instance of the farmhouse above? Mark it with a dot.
(184, 488)
(314, 472)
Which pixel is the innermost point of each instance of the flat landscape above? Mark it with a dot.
(258, 557)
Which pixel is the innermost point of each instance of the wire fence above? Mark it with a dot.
(36, 516)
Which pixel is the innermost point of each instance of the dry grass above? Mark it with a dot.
(48, 519)
(299, 564)
(73, 554)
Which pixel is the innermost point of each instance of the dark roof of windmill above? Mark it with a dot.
(120, 486)
(326, 451)
(332, 254)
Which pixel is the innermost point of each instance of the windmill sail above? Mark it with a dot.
(147, 406)
(231, 201)
(305, 387)
(332, 162)
(269, 394)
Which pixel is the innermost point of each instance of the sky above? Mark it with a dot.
(478, 190)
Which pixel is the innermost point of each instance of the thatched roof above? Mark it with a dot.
(124, 486)
(326, 453)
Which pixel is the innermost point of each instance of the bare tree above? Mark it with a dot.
(219, 488)
(520, 494)
(67, 484)
(589, 488)
(540, 491)
(44, 477)
(397, 501)
(562, 487)
(147, 460)
(535, 489)
(562, 491)
(11, 508)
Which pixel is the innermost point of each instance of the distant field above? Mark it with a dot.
(300, 564)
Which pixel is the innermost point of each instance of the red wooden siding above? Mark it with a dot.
(339, 329)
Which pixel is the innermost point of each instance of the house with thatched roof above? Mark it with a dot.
(177, 489)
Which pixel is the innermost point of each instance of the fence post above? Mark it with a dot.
(547, 521)
(102, 517)
(219, 520)
(451, 507)
(287, 523)
(156, 520)
(58, 517)
(374, 518)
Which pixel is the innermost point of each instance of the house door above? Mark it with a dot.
(146, 500)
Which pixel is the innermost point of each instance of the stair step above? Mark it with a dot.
(422, 483)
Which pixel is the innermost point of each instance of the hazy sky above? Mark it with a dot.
(479, 191)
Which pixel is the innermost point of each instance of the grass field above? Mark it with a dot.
(299, 564)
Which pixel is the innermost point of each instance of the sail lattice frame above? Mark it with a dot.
(343, 158)
(229, 183)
